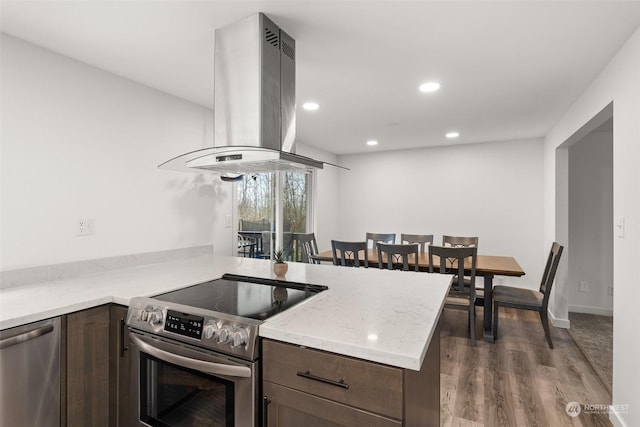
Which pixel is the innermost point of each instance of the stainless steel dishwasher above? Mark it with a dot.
(30, 375)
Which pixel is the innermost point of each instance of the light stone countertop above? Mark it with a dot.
(377, 315)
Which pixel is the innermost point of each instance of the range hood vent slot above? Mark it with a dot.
(288, 50)
(271, 37)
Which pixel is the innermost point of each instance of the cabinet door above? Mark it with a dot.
(286, 407)
(119, 367)
(88, 368)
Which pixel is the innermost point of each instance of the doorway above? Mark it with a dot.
(585, 224)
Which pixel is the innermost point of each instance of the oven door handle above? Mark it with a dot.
(187, 362)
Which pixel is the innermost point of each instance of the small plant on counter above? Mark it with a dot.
(279, 257)
(280, 267)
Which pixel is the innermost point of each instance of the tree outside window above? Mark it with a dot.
(256, 203)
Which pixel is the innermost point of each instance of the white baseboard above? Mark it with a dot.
(591, 310)
(615, 419)
(559, 323)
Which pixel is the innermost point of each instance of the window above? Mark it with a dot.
(273, 208)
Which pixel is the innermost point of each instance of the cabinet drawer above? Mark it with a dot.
(292, 408)
(370, 386)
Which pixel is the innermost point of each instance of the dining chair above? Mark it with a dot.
(529, 299)
(463, 242)
(348, 253)
(461, 296)
(309, 247)
(380, 237)
(423, 240)
(459, 241)
(397, 253)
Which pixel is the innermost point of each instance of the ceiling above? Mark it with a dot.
(508, 70)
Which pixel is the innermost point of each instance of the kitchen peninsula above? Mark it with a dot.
(383, 319)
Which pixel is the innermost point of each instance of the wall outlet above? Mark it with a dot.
(620, 226)
(227, 221)
(584, 286)
(610, 291)
(85, 227)
(500, 280)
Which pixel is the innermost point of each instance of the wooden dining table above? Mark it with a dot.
(487, 266)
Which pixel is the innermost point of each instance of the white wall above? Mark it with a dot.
(591, 223)
(619, 83)
(491, 190)
(78, 142)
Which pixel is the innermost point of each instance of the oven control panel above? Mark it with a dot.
(184, 324)
(220, 332)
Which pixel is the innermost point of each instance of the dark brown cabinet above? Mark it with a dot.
(97, 367)
(302, 386)
(119, 366)
(87, 368)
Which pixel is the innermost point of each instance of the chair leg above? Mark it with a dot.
(495, 320)
(472, 324)
(545, 325)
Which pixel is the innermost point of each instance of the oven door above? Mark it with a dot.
(174, 384)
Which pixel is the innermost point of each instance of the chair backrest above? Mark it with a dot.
(550, 272)
(455, 260)
(380, 237)
(347, 253)
(459, 241)
(396, 253)
(423, 240)
(309, 247)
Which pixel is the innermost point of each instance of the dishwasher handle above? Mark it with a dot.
(187, 362)
(27, 336)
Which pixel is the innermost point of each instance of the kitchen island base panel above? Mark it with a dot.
(422, 388)
(303, 386)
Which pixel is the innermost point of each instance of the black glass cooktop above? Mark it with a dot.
(251, 297)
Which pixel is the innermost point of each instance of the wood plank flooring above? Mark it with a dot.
(516, 381)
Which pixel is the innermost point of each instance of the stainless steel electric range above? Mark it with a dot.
(195, 351)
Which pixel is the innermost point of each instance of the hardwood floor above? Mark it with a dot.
(518, 380)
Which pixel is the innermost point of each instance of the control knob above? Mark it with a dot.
(155, 317)
(225, 334)
(240, 337)
(211, 330)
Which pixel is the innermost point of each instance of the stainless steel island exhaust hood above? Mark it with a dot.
(254, 106)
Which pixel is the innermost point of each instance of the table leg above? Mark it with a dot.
(488, 307)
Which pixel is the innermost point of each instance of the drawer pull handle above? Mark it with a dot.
(309, 375)
(123, 326)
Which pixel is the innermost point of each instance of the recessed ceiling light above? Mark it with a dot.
(429, 87)
(372, 142)
(452, 135)
(310, 106)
